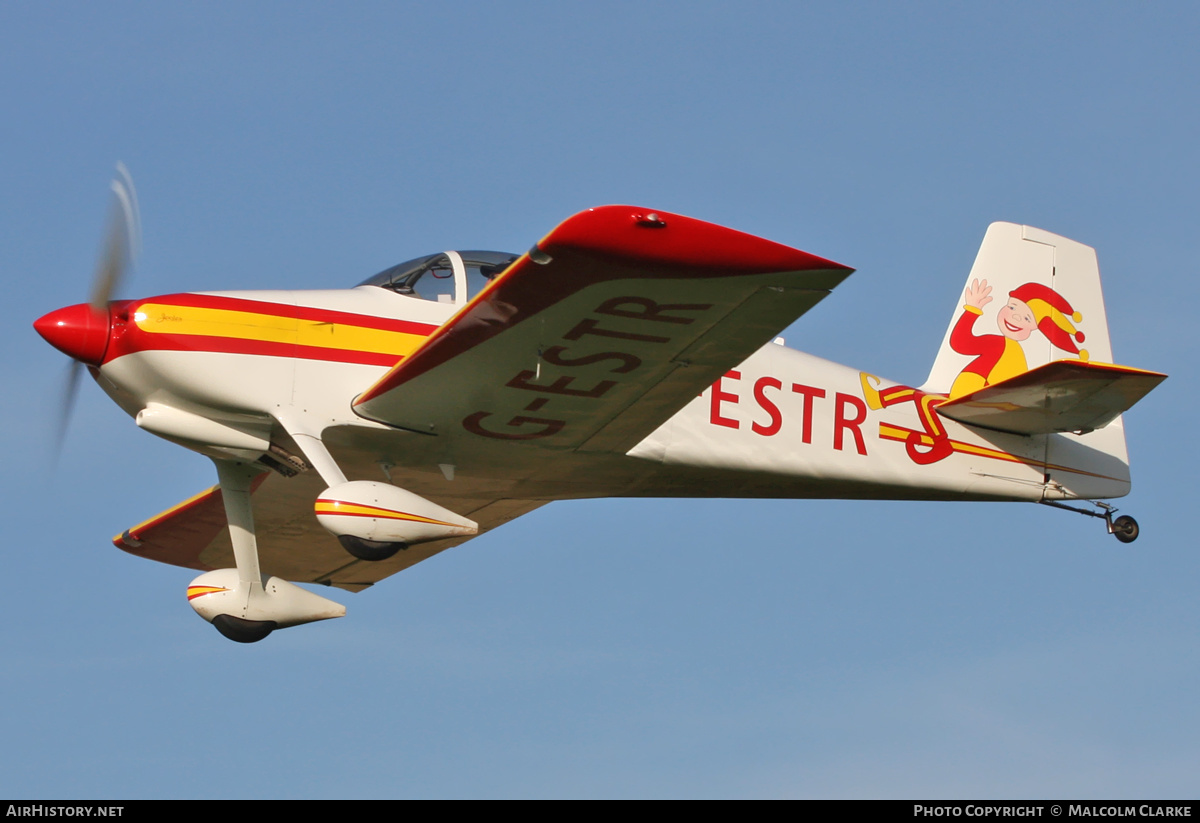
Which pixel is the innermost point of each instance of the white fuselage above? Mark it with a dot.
(298, 359)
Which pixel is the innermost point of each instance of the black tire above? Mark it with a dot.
(1125, 529)
(372, 550)
(240, 630)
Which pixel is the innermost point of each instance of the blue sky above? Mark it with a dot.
(610, 648)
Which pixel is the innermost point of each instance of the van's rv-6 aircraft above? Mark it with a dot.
(629, 352)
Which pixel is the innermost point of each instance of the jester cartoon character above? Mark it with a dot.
(1030, 307)
(998, 357)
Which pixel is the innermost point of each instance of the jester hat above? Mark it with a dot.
(1053, 315)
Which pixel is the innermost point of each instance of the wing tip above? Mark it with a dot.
(661, 237)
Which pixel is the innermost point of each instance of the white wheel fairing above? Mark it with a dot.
(382, 513)
(286, 604)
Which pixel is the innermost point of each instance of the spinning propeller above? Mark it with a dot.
(82, 331)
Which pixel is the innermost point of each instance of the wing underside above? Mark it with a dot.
(291, 543)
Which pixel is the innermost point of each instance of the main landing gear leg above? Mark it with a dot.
(236, 479)
(1124, 528)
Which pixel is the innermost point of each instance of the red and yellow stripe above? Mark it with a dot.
(197, 322)
(199, 591)
(341, 508)
(901, 434)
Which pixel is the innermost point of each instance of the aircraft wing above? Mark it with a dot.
(291, 544)
(606, 328)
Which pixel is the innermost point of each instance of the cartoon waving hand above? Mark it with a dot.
(977, 293)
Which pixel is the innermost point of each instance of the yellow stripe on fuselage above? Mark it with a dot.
(156, 318)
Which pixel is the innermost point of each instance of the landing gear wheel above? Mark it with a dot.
(372, 550)
(1125, 529)
(240, 630)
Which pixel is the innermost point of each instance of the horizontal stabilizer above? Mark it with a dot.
(1063, 396)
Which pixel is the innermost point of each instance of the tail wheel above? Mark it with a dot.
(1125, 529)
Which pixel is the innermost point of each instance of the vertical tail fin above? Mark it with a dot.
(1032, 298)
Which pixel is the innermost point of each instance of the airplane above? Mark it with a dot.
(629, 352)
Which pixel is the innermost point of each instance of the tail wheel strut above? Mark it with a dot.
(1124, 528)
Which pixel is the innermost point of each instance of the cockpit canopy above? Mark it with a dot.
(432, 277)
